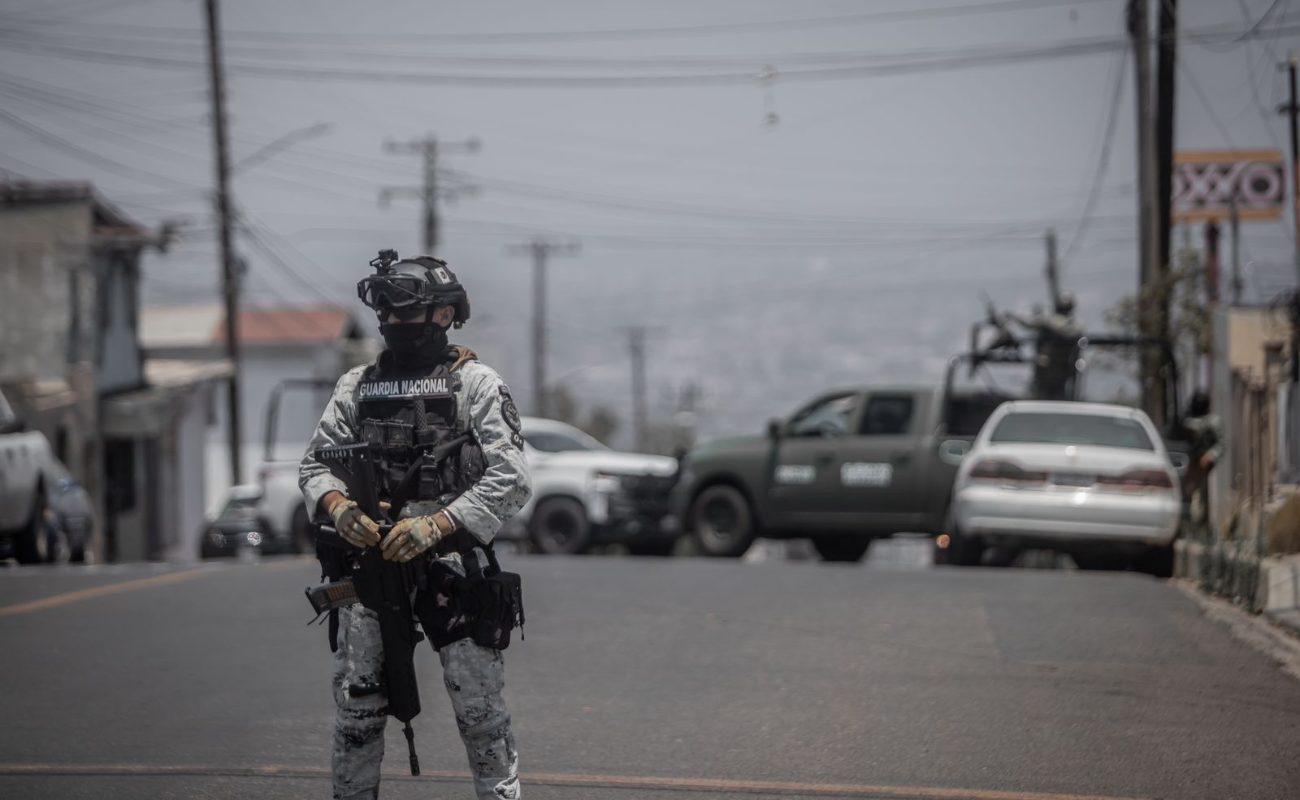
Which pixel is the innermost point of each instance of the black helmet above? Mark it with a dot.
(408, 287)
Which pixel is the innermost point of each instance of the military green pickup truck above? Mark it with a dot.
(849, 466)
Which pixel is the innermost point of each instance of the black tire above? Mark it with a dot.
(845, 549)
(658, 549)
(32, 546)
(559, 526)
(302, 537)
(722, 522)
(1158, 561)
(1100, 561)
(966, 551)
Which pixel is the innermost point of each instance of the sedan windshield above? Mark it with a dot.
(1063, 428)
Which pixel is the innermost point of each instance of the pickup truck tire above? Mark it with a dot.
(559, 526)
(32, 545)
(848, 549)
(721, 522)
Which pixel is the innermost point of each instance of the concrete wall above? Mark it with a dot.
(189, 442)
(44, 260)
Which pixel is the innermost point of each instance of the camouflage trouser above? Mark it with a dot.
(474, 677)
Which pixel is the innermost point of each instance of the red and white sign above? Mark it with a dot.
(1204, 184)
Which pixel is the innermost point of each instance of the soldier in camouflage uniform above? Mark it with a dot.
(417, 300)
(1056, 348)
(1205, 433)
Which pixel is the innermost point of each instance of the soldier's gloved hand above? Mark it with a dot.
(352, 524)
(413, 535)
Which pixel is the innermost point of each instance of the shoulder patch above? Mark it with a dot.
(510, 413)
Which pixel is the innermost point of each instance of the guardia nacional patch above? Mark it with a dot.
(434, 388)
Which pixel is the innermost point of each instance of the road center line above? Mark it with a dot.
(101, 591)
(572, 780)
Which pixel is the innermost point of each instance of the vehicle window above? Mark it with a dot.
(966, 415)
(551, 442)
(1058, 428)
(828, 418)
(886, 416)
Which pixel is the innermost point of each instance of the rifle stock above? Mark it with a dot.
(384, 587)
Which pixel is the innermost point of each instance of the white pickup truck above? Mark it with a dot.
(29, 474)
(583, 492)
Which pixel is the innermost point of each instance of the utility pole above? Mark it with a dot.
(429, 193)
(1153, 388)
(1053, 270)
(636, 352)
(1291, 110)
(1234, 222)
(229, 271)
(540, 250)
(1166, 55)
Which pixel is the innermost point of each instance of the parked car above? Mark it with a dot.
(1089, 479)
(584, 494)
(41, 507)
(849, 466)
(238, 526)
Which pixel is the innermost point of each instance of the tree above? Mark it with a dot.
(1183, 285)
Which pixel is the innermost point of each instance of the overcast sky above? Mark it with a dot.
(847, 243)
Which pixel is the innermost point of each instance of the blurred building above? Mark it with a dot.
(1252, 393)
(72, 364)
(276, 343)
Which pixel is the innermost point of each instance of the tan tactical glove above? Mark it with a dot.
(413, 535)
(352, 524)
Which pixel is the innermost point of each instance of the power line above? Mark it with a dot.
(1103, 161)
(994, 56)
(90, 156)
(875, 17)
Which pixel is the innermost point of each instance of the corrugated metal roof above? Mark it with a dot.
(204, 325)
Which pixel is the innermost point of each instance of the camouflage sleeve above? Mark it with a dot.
(338, 425)
(1214, 439)
(505, 485)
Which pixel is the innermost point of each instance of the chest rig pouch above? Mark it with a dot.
(414, 419)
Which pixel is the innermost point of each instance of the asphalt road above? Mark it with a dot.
(663, 678)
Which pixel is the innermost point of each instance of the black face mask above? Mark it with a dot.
(410, 345)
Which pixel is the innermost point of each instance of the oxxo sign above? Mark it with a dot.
(1204, 184)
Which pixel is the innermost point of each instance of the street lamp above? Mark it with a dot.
(283, 143)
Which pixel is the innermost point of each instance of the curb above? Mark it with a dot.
(1278, 594)
(1268, 637)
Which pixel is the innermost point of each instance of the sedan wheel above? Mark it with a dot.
(721, 522)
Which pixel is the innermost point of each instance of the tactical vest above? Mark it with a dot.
(410, 416)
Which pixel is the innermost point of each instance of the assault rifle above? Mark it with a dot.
(384, 587)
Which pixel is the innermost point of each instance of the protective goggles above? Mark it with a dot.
(393, 292)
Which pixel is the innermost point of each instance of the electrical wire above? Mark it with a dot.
(873, 17)
(90, 156)
(1103, 161)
